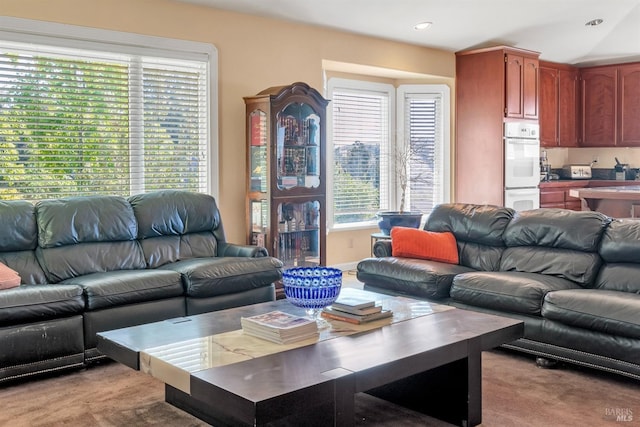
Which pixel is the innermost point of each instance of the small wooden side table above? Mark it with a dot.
(378, 236)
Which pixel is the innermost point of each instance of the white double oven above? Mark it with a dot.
(521, 165)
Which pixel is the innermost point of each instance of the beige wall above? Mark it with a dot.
(605, 156)
(254, 54)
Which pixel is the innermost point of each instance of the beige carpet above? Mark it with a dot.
(516, 393)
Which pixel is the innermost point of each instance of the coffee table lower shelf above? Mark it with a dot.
(451, 393)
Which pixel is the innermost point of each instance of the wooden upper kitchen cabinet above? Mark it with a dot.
(569, 101)
(599, 106)
(559, 101)
(629, 105)
(549, 106)
(611, 106)
(492, 85)
(521, 86)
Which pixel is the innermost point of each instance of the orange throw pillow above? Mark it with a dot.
(415, 243)
(8, 278)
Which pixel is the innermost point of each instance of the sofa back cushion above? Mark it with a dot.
(556, 242)
(19, 239)
(478, 231)
(620, 251)
(176, 225)
(84, 235)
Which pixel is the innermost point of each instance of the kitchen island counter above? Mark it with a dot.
(616, 202)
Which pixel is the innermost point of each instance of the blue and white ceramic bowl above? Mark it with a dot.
(312, 287)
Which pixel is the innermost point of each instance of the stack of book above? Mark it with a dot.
(355, 309)
(279, 327)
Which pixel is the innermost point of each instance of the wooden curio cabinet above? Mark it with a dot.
(286, 182)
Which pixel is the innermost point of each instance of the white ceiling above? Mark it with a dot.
(556, 28)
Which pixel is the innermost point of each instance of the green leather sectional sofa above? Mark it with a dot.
(95, 263)
(573, 278)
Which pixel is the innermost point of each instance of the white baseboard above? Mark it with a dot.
(347, 266)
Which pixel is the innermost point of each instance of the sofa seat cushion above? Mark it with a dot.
(208, 277)
(419, 277)
(123, 287)
(30, 303)
(609, 312)
(514, 292)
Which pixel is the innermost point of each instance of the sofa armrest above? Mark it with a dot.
(382, 248)
(251, 251)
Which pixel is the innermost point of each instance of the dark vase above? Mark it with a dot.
(390, 219)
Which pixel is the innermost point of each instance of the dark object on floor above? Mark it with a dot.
(543, 362)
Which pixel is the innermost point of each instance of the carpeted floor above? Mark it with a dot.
(515, 393)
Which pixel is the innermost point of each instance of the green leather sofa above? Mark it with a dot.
(95, 263)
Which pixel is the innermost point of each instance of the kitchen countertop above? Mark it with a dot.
(586, 183)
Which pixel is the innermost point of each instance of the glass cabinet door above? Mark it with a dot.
(297, 147)
(259, 220)
(258, 148)
(299, 233)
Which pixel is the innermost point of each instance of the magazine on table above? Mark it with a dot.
(353, 302)
(331, 313)
(279, 326)
(358, 311)
(280, 339)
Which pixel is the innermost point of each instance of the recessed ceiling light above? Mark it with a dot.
(422, 26)
(594, 22)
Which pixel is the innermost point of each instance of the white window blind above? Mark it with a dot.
(78, 122)
(360, 135)
(367, 147)
(421, 117)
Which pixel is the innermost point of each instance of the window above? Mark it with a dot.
(84, 117)
(370, 137)
(424, 122)
(361, 126)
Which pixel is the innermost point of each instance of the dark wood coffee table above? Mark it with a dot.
(427, 358)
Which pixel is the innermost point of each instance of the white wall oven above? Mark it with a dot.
(522, 199)
(521, 165)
